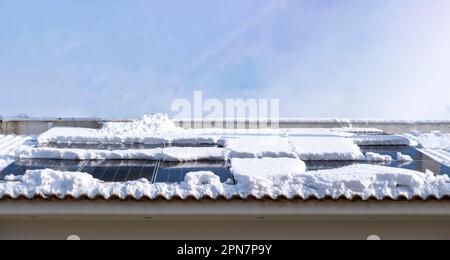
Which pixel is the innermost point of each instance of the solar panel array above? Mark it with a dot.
(170, 172)
(124, 170)
(421, 162)
(176, 171)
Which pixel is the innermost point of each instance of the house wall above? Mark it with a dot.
(247, 219)
(34, 127)
(359, 229)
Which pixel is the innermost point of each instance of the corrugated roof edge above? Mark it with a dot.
(223, 198)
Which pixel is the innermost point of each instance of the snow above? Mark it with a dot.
(274, 132)
(434, 144)
(381, 140)
(8, 144)
(438, 155)
(157, 124)
(267, 167)
(165, 154)
(310, 148)
(404, 157)
(274, 178)
(258, 147)
(194, 154)
(359, 130)
(61, 184)
(86, 135)
(377, 181)
(332, 132)
(82, 154)
(202, 178)
(376, 157)
(159, 129)
(433, 140)
(156, 129)
(308, 144)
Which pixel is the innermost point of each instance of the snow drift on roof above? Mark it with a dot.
(267, 168)
(86, 135)
(165, 154)
(258, 178)
(433, 140)
(435, 144)
(381, 140)
(258, 147)
(156, 129)
(359, 130)
(8, 144)
(157, 124)
(376, 157)
(326, 148)
(404, 157)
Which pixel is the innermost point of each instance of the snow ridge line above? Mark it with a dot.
(440, 156)
(12, 143)
(5, 140)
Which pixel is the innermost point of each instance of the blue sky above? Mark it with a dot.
(321, 58)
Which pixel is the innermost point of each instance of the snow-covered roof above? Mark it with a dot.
(263, 163)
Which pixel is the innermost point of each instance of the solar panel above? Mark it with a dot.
(176, 171)
(21, 166)
(120, 170)
(427, 163)
(421, 162)
(326, 165)
(444, 170)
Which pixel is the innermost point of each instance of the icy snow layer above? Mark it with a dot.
(404, 157)
(323, 144)
(357, 130)
(8, 144)
(433, 140)
(86, 135)
(157, 129)
(154, 124)
(258, 178)
(435, 144)
(326, 148)
(258, 147)
(345, 132)
(267, 167)
(376, 157)
(164, 132)
(382, 140)
(165, 154)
